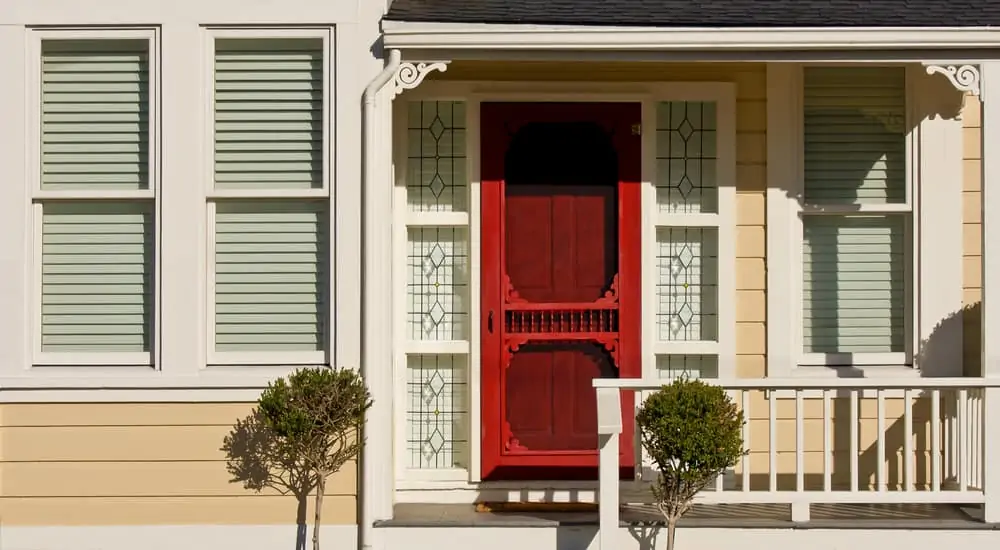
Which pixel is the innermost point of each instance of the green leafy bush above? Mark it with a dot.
(692, 432)
(303, 430)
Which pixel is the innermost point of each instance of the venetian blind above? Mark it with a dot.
(855, 151)
(96, 254)
(269, 114)
(270, 259)
(854, 270)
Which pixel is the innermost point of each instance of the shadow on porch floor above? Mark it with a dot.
(740, 516)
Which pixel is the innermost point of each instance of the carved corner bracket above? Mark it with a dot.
(965, 78)
(410, 75)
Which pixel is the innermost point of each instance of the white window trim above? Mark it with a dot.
(724, 222)
(934, 261)
(32, 136)
(464, 485)
(213, 358)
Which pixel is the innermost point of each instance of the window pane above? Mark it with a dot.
(271, 283)
(438, 284)
(436, 179)
(855, 135)
(95, 114)
(693, 367)
(854, 284)
(686, 157)
(687, 289)
(268, 114)
(437, 411)
(97, 276)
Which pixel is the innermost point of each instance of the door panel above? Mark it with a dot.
(561, 282)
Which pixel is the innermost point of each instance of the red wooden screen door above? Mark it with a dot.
(561, 245)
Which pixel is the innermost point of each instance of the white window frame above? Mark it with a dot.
(933, 260)
(466, 485)
(37, 195)
(301, 358)
(723, 221)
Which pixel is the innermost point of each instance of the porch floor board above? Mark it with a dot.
(737, 516)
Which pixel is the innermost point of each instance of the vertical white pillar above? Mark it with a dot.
(608, 490)
(609, 428)
(377, 311)
(990, 98)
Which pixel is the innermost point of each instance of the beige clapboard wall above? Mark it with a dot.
(137, 464)
(119, 464)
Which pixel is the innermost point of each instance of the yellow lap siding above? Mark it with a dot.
(137, 463)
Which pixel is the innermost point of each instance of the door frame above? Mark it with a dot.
(629, 274)
(464, 484)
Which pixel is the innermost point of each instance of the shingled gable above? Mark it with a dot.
(705, 13)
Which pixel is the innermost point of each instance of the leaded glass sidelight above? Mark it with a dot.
(437, 283)
(436, 177)
(687, 283)
(686, 157)
(669, 367)
(437, 400)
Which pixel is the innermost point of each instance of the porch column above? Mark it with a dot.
(990, 127)
(984, 80)
(377, 337)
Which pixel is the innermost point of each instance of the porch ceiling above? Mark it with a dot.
(705, 13)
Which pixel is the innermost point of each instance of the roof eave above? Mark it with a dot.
(404, 35)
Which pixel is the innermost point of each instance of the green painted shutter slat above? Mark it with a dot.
(95, 114)
(97, 279)
(855, 146)
(270, 275)
(269, 114)
(853, 284)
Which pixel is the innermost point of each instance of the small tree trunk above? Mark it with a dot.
(671, 526)
(320, 489)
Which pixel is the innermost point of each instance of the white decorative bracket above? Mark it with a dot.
(410, 75)
(965, 78)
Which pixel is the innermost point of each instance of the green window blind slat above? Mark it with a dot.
(854, 284)
(855, 135)
(97, 276)
(269, 114)
(271, 279)
(95, 114)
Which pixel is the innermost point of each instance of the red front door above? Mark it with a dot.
(561, 243)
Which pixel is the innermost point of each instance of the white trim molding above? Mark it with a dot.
(171, 537)
(934, 290)
(965, 78)
(473, 36)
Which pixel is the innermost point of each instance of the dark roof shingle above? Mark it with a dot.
(705, 13)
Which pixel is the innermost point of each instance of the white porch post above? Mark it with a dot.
(990, 128)
(377, 338)
(984, 80)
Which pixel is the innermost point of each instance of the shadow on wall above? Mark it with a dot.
(252, 460)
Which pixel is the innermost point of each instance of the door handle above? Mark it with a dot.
(489, 322)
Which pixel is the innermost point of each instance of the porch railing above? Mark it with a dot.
(833, 441)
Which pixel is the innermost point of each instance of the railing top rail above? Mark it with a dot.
(810, 383)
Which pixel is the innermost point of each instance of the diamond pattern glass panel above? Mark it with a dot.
(438, 284)
(670, 367)
(436, 411)
(436, 178)
(687, 283)
(686, 157)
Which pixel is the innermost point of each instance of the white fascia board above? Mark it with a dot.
(474, 36)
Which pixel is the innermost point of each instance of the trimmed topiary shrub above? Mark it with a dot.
(692, 432)
(303, 430)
